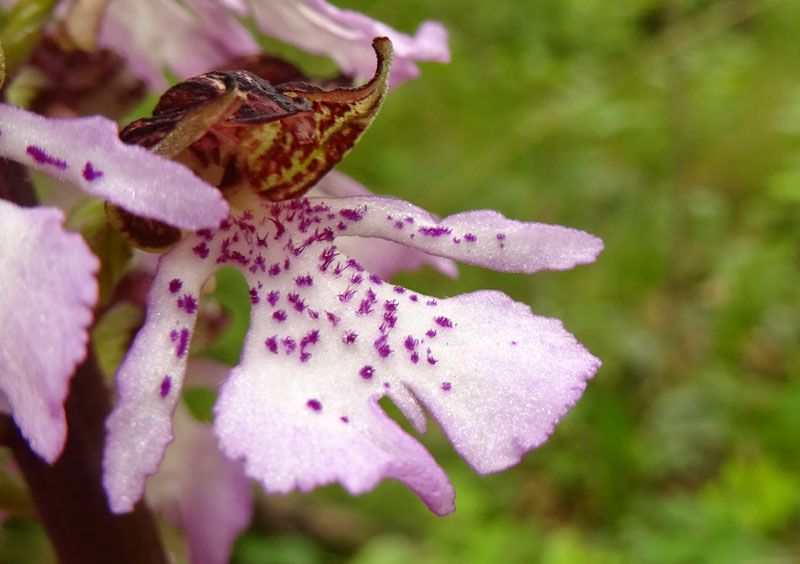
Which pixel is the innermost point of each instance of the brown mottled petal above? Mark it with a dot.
(284, 160)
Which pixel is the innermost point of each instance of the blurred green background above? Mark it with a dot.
(671, 129)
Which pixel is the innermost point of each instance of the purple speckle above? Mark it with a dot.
(279, 315)
(183, 343)
(387, 385)
(341, 226)
(382, 347)
(414, 357)
(273, 297)
(272, 344)
(431, 333)
(500, 236)
(399, 290)
(409, 219)
(437, 231)
(410, 343)
(390, 305)
(312, 338)
(304, 280)
(289, 344)
(443, 322)
(470, 238)
(375, 279)
(365, 307)
(333, 318)
(90, 173)
(347, 295)
(314, 405)
(356, 279)
(274, 270)
(344, 419)
(456, 240)
(187, 303)
(42, 157)
(399, 224)
(254, 299)
(366, 372)
(351, 215)
(513, 342)
(431, 303)
(349, 338)
(173, 335)
(446, 386)
(431, 360)
(205, 233)
(175, 285)
(166, 386)
(413, 297)
(201, 250)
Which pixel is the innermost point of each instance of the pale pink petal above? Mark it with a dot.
(328, 338)
(48, 290)
(346, 36)
(150, 378)
(379, 256)
(158, 35)
(201, 491)
(86, 152)
(483, 238)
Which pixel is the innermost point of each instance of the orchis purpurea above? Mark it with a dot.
(328, 338)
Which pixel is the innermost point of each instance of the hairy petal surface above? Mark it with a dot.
(86, 152)
(320, 28)
(328, 338)
(379, 256)
(48, 290)
(483, 237)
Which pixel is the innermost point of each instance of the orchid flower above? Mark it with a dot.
(327, 337)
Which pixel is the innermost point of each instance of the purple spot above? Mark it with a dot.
(355, 265)
(166, 385)
(43, 158)
(341, 226)
(409, 219)
(387, 385)
(443, 322)
(205, 233)
(272, 344)
(399, 290)
(365, 308)
(289, 345)
(349, 338)
(274, 270)
(431, 360)
(175, 285)
(446, 386)
(456, 240)
(351, 215)
(431, 303)
(413, 297)
(311, 339)
(273, 297)
(513, 342)
(183, 343)
(201, 250)
(411, 343)
(314, 405)
(279, 316)
(414, 357)
(500, 236)
(366, 372)
(434, 231)
(187, 303)
(347, 295)
(390, 305)
(254, 299)
(470, 238)
(89, 172)
(173, 335)
(304, 280)
(382, 347)
(344, 419)
(286, 264)
(375, 279)
(431, 333)
(333, 318)
(399, 224)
